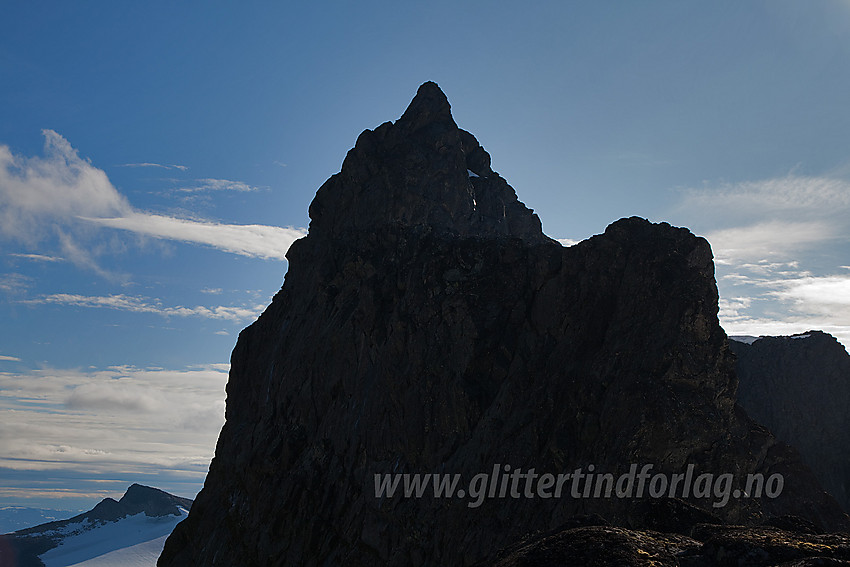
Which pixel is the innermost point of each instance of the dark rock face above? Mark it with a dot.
(427, 325)
(799, 387)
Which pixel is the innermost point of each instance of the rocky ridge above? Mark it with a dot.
(427, 325)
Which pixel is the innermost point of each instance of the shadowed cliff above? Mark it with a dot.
(427, 325)
(799, 387)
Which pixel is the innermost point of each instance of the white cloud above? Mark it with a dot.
(261, 241)
(826, 296)
(770, 239)
(567, 241)
(38, 257)
(159, 165)
(136, 304)
(63, 197)
(61, 185)
(202, 185)
(733, 307)
(9, 358)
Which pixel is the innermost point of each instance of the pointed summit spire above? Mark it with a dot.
(430, 105)
(420, 171)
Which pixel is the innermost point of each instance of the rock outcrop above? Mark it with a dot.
(427, 325)
(799, 388)
(707, 546)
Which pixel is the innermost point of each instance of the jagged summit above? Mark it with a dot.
(426, 325)
(421, 171)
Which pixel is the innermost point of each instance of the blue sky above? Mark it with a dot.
(156, 160)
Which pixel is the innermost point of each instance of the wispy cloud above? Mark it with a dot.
(776, 218)
(789, 195)
(38, 257)
(136, 304)
(63, 197)
(261, 241)
(9, 358)
(14, 284)
(157, 165)
(203, 185)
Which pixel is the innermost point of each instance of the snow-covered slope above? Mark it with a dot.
(135, 540)
(130, 531)
(139, 555)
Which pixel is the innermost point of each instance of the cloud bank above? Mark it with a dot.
(63, 196)
(116, 425)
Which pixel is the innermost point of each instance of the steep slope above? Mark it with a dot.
(799, 387)
(427, 325)
(141, 515)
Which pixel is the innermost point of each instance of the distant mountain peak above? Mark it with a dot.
(143, 513)
(152, 501)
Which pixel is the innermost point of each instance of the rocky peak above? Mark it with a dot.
(429, 108)
(426, 325)
(421, 171)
